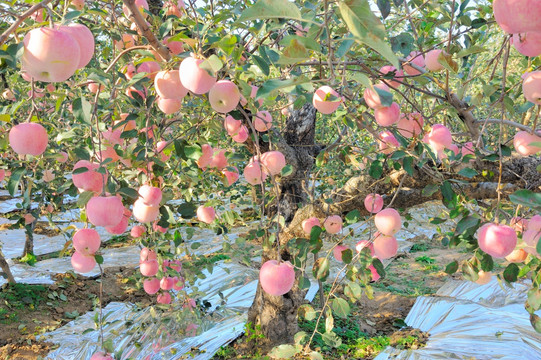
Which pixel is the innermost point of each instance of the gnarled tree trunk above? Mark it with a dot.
(277, 315)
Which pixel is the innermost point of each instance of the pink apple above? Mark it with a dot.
(388, 221)
(372, 98)
(150, 195)
(105, 210)
(101, 356)
(145, 213)
(193, 78)
(169, 106)
(415, 58)
(78, 4)
(152, 68)
(276, 278)
(231, 125)
(206, 157)
(410, 125)
(84, 39)
(399, 75)
(42, 58)
(168, 85)
(522, 143)
(231, 176)
(178, 283)
(164, 298)
(147, 254)
(534, 223)
(374, 272)
(151, 286)
(167, 283)
(531, 237)
(337, 252)
(28, 139)
(262, 121)
(373, 203)
(385, 247)
(439, 138)
(365, 244)
(333, 224)
(219, 160)
(94, 86)
(149, 267)
(309, 223)
(175, 47)
(326, 100)
(90, 180)
(528, 44)
(137, 231)
(119, 228)
(497, 240)
(82, 263)
(206, 214)
(387, 116)
(273, 162)
(86, 241)
(388, 142)
(484, 277)
(531, 87)
(431, 60)
(517, 16)
(242, 135)
(224, 96)
(517, 256)
(254, 174)
(467, 149)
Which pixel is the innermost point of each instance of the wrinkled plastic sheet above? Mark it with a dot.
(235, 283)
(470, 321)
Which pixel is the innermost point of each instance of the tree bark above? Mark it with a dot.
(29, 242)
(277, 315)
(5, 268)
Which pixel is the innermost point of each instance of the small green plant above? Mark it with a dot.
(425, 260)
(419, 247)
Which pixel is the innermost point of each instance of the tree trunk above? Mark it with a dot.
(277, 315)
(5, 269)
(29, 242)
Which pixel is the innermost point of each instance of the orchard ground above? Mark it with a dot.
(30, 310)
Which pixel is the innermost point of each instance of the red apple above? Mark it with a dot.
(147, 254)
(84, 39)
(387, 116)
(164, 298)
(410, 125)
(385, 247)
(531, 87)
(101, 356)
(42, 58)
(398, 75)
(528, 44)
(167, 283)
(150, 195)
(86, 241)
(149, 267)
(206, 156)
(523, 141)
(388, 221)
(242, 135)
(137, 231)
(206, 214)
(262, 121)
(415, 58)
(105, 210)
(373, 203)
(273, 162)
(365, 244)
(372, 98)
(337, 252)
(388, 142)
(82, 263)
(193, 78)
(517, 16)
(168, 85)
(231, 176)
(277, 278)
(231, 125)
(254, 174)
(497, 240)
(28, 138)
(309, 223)
(431, 60)
(326, 100)
(90, 180)
(151, 286)
(145, 213)
(224, 96)
(333, 224)
(517, 256)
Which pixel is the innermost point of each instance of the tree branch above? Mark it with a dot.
(21, 18)
(141, 23)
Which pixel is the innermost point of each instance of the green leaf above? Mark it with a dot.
(447, 191)
(376, 169)
(407, 163)
(307, 312)
(447, 61)
(321, 269)
(84, 197)
(378, 265)
(277, 84)
(287, 170)
(451, 268)
(535, 320)
(466, 223)
(14, 179)
(430, 190)
(129, 192)
(331, 339)
(271, 9)
(353, 291)
(386, 98)
(510, 274)
(402, 43)
(347, 256)
(262, 64)
(340, 307)
(82, 109)
(534, 298)
(315, 232)
(99, 259)
(526, 198)
(468, 172)
(212, 65)
(301, 337)
(295, 52)
(193, 152)
(285, 351)
(366, 27)
(384, 7)
(353, 217)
